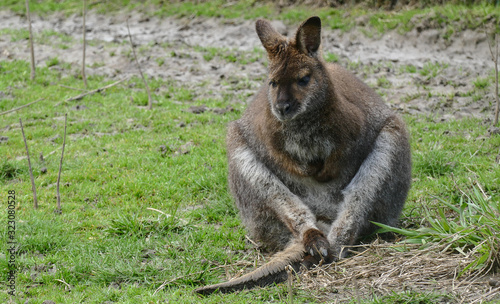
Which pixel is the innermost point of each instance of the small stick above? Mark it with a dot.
(150, 102)
(51, 153)
(84, 43)
(64, 282)
(170, 215)
(68, 87)
(494, 57)
(289, 271)
(252, 241)
(78, 97)
(496, 81)
(33, 72)
(19, 108)
(33, 188)
(60, 164)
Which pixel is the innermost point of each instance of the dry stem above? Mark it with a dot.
(71, 88)
(78, 97)
(289, 271)
(84, 43)
(65, 283)
(494, 57)
(60, 164)
(33, 188)
(21, 107)
(150, 102)
(33, 72)
(381, 269)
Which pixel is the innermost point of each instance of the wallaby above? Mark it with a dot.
(314, 160)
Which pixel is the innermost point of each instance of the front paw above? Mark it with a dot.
(317, 245)
(339, 252)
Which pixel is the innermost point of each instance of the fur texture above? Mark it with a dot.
(317, 155)
(272, 272)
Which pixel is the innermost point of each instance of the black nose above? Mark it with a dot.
(283, 108)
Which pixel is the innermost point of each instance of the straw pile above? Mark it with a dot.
(378, 270)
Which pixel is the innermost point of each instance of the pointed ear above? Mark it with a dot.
(308, 37)
(269, 37)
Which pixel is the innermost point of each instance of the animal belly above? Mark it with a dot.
(323, 201)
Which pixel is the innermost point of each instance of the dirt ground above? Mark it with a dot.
(381, 61)
(172, 49)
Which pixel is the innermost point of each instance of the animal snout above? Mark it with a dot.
(283, 108)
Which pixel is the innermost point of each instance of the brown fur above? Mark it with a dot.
(315, 157)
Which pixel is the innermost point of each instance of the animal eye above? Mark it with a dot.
(273, 83)
(304, 81)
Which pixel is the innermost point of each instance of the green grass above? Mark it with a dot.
(8, 171)
(43, 37)
(383, 82)
(229, 55)
(16, 34)
(137, 213)
(115, 169)
(473, 227)
(408, 69)
(432, 69)
(331, 57)
(452, 17)
(52, 62)
(482, 82)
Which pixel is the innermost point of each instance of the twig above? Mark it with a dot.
(51, 153)
(482, 191)
(494, 57)
(252, 241)
(68, 87)
(33, 188)
(78, 97)
(60, 164)
(150, 102)
(84, 43)
(33, 72)
(64, 282)
(21, 107)
(184, 222)
(479, 149)
(289, 271)
(159, 211)
(489, 295)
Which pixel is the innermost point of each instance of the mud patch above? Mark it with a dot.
(421, 72)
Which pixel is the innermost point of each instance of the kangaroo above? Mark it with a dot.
(315, 159)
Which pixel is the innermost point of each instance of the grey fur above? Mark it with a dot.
(271, 272)
(321, 171)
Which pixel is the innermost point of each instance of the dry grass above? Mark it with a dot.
(380, 269)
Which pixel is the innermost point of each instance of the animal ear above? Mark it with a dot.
(269, 37)
(308, 37)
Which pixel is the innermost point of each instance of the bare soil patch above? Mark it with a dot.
(439, 81)
(420, 72)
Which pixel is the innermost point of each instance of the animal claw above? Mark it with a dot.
(316, 244)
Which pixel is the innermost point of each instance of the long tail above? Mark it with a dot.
(272, 272)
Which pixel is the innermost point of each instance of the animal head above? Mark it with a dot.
(297, 75)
